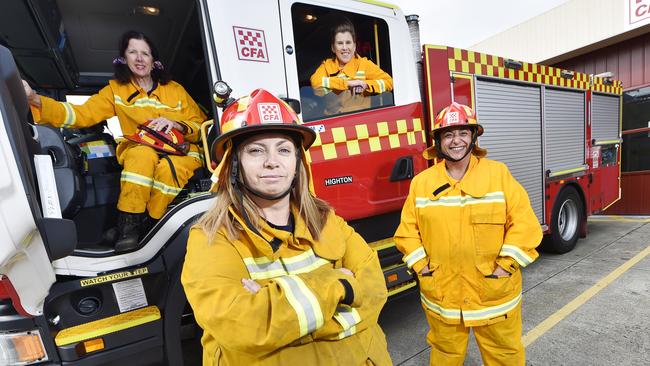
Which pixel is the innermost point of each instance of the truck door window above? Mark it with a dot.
(326, 89)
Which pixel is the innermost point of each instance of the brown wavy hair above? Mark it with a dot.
(312, 210)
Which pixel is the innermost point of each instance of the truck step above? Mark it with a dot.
(108, 325)
(401, 288)
(396, 276)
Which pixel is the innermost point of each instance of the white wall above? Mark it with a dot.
(571, 26)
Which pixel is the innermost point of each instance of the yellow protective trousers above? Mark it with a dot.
(147, 182)
(499, 342)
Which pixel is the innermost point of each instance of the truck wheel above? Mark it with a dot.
(566, 218)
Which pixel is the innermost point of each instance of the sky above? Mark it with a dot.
(463, 23)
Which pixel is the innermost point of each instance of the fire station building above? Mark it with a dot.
(598, 37)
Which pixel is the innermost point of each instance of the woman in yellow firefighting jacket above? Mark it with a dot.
(466, 229)
(141, 92)
(273, 275)
(347, 79)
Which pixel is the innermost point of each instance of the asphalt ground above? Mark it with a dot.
(590, 306)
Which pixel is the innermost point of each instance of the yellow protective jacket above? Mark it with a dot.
(296, 318)
(330, 78)
(132, 106)
(462, 232)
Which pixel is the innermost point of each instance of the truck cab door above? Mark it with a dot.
(244, 45)
(364, 157)
(25, 266)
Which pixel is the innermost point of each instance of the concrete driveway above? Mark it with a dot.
(590, 306)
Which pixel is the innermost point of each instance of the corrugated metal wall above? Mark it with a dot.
(564, 122)
(629, 61)
(604, 113)
(511, 115)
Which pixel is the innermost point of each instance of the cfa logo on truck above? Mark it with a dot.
(251, 44)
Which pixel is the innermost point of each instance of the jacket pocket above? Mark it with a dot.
(494, 288)
(488, 226)
(428, 283)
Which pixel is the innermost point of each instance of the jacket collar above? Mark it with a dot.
(350, 69)
(301, 238)
(473, 182)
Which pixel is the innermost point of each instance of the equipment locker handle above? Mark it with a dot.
(403, 169)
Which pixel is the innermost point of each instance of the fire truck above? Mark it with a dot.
(68, 298)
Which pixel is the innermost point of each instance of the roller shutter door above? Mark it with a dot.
(564, 128)
(604, 117)
(511, 116)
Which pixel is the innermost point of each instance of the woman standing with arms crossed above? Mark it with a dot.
(273, 275)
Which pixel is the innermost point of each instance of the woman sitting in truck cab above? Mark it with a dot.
(141, 93)
(347, 79)
(273, 263)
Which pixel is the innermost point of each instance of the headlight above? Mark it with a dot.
(21, 348)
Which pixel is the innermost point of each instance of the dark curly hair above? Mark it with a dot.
(123, 73)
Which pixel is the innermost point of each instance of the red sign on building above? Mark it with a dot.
(639, 10)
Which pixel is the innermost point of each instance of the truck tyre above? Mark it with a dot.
(566, 219)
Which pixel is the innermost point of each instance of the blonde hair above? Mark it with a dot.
(311, 209)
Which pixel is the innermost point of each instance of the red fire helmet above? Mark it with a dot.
(171, 142)
(260, 111)
(456, 114)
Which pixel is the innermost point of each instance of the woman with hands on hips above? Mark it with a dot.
(140, 93)
(273, 275)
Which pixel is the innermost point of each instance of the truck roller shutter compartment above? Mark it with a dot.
(511, 116)
(564, 129)
(605, 117)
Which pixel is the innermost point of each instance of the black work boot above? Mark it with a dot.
(128, 226)
(147, 224)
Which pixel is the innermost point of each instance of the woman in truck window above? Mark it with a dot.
(141, 93)
(273, 275)
(467, 227)
(347, 79)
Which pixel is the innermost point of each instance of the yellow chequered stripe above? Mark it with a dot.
(599, 85)
(470, 62)
(108, 325)
(350, 137)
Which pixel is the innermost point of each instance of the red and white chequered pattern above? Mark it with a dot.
(452, 118)
(251, 44)
(249, 38)
(269, 112)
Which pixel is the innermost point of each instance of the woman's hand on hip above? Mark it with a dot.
(500, 272)
(425, 271)
(162, 123)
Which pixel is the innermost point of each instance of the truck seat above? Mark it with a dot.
(66, 161)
